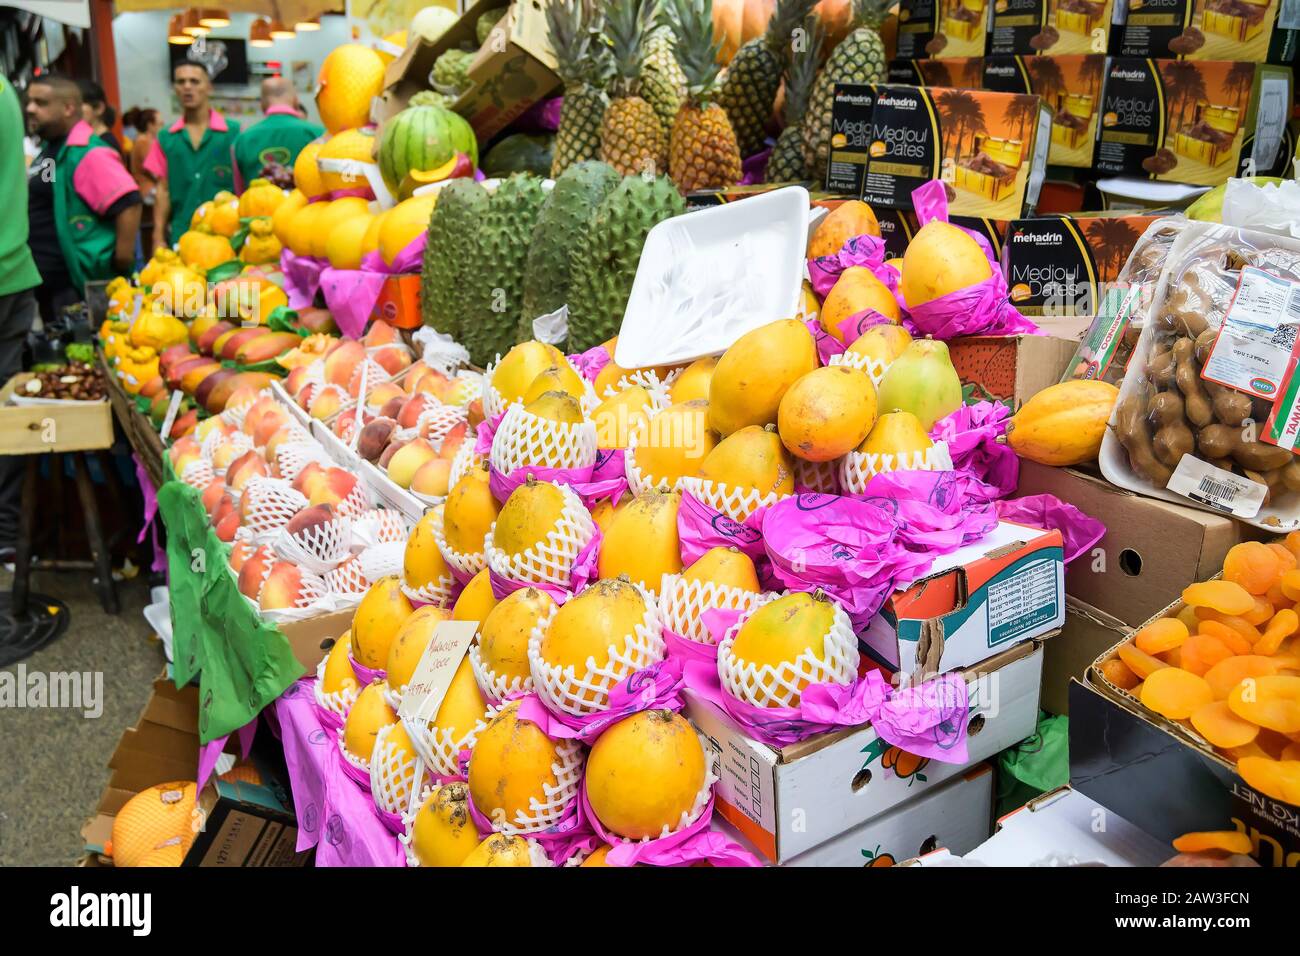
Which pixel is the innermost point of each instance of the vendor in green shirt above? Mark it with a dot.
(190, 160)
(276, 139)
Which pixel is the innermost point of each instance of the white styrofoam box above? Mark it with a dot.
(284, 398)
(708, 277)
(788, 801)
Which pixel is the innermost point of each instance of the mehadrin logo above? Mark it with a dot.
(898, 100)
(1130, 74)
(1036, 238)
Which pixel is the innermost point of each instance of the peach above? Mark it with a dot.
(474, 410)
(407, 459)
(452, 441)
(226, 520)
(380, 333)
(307, 394)
(342, 361)
(328, 401)
(213, 494)
(298, 377)
(393, 407)
(242, 396)
(240, 553)
(383, 393)
(285, 434)
(305, 480)
(374, 438)
(224, 454)
(421, 378)
(415, 406)
(243, 469)
(393, 448)
(264, 404)
(250, 574)
(210, 425)
(344, 424)
(272, 420)
(392, 358)
(433, 477)
(282, 588)
(332, 487)
(312, 516)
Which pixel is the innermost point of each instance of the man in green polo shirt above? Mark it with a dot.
(276, 139)
(190, 160)
(18, 279)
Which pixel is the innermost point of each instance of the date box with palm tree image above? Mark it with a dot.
(1260, 31)
(941, 28)
(1071, 88)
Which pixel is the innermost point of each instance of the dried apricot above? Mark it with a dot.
(1272, 701)
(1160, 636)
(1119, 674)
(1277, 597)
(1220, 726)
(1175, 693)
(1188, 616)
(1249, 632)
(1201, 652)
(1172, 657)
(1283, 625)
(1272, 743)
(1284, 555)
(1292, 543)
(1291, 584)
(1229, 841)
(1252, 749)
(1260, 613)
(1231, 671)
(1253, 565)
(1291, 752)
(1140, 662)
(1226, 597)
(1279, 779)
(1234, 641)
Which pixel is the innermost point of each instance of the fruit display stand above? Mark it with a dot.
(140, 432)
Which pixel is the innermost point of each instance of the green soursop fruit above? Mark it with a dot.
(452, 230)
(603, 263)
(566, 216)
(451, 71)
(486, 21)
(492, 294)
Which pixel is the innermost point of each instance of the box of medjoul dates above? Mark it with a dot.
(1051, 27)
(941, 28)
(1256, 30)
(1196, 122)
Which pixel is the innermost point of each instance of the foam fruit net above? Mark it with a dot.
(524, 439)
(551, 560)
(856, 468)
(682, 604)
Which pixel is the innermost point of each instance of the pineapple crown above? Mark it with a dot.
(801, 71)
(575, 27)
(696, 51)
(870, 13)
(626, 24)
(785, 18)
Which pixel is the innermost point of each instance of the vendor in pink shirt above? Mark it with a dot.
(190, 160)
(276, 139)
(83, 205)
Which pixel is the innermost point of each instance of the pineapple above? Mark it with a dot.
(662, 82)
(702, 151)
(787, 161)
(749, 89)
(859, 58)
(575, 27)
(631, 137)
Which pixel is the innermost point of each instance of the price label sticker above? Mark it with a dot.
(1258, 333)
(169, 419)
(1216, 488)
(428, 685)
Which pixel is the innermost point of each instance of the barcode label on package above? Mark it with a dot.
(1259, 331)
(1218, 489)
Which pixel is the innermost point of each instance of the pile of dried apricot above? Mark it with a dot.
(1227, 665)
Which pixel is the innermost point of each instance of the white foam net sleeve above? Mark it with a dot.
(493, 403)
(381, 560)
(347, 578)
(524, 439)
(823, 476)
(865, 363)
(639, 481)
(317, 548)
(198, 473)
(856, 468)
(239, 443)
(735, 502)
(781, 686)
(437, 422)
(373, 373)
(546, 812)
(380, 526)
(495, 687)
(565, 689)
(336, 702)
(396, 775)
(551, 560)
(465, 461)
(683, 602)
(313, 597)
(267, 504)
(441, 752)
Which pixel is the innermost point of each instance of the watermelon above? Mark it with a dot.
(423, 137)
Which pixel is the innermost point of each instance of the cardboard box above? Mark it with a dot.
(788, 801)
(1153, 127)
(941, 28)
(994, 173)
(1156, 774)
(399, 302)
(1086, 634)
(1067, 828)
(957, 815)
(1206, 30)
(67, 426)
(1062, 265)
(504, 83)
(312, 638)
(1005, 589)
(244, 824)
(1010, 368)
(1152, 549)
(852, 138)
(1071, 88)
(1050, 27)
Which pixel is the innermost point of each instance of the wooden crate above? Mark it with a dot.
(36, 429)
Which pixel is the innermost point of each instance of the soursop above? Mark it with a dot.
(568, 212)
(492, 294)
(451, 71)
(456, 217)
(603, 263)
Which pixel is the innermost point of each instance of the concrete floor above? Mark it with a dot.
(54, 760)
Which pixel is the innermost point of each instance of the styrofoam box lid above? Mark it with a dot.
(707, 277)
(1150, 190)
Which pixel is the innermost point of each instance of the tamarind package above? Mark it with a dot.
(1192, 420)
(989, 149)
(941, 28)
(1199, 123)
(1055, 27)
(1262, 31)
(1062, 265)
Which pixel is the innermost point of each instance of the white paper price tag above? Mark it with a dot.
(1259, 331)
(1221, 490)
(169, 419)
(428, 685)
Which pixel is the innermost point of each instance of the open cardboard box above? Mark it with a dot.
(245, 824)
(1087, 632)
(1010, 368)
(1164, 777)
(787, 801)
(1151, 548)
(956, 815)
(1005, 589)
